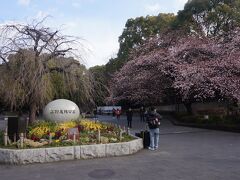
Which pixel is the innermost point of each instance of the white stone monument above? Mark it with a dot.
(61, 110)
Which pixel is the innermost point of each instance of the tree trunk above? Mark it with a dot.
(188, 106)
(32, 114)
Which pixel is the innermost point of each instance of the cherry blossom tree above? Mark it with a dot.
(143, 80)
(140, 81)
(198, 68)
(207, 68)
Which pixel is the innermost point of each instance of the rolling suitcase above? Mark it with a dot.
(146, 138)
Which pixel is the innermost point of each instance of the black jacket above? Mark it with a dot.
(153, 120)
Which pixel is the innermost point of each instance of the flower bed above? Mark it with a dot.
(83, 132)
(50, 142)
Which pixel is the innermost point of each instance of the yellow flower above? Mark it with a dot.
(39, 131)
(57, 140)
(91, 125)
(66, 125)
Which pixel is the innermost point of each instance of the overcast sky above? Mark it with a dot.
(98, 22)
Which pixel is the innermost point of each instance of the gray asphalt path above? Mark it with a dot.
(184, 154)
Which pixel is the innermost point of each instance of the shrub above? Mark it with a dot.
(214, 120)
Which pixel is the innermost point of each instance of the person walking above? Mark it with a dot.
(153, 120)
(142, 111)
(129, 114)
(118, 113)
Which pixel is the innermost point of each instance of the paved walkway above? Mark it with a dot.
(166, 125)
(184, 154)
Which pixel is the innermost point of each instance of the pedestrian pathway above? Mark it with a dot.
(166, 126)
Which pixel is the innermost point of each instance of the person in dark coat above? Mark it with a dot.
(142, 111)
(129, 114)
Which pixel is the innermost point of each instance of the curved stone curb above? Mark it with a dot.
(43, 155)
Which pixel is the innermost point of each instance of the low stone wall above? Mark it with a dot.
(43, 155)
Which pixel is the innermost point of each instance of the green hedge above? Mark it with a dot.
(213, 120)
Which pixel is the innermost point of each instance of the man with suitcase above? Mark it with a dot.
(153, 120)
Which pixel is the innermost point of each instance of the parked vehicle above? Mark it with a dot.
(107, 109)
